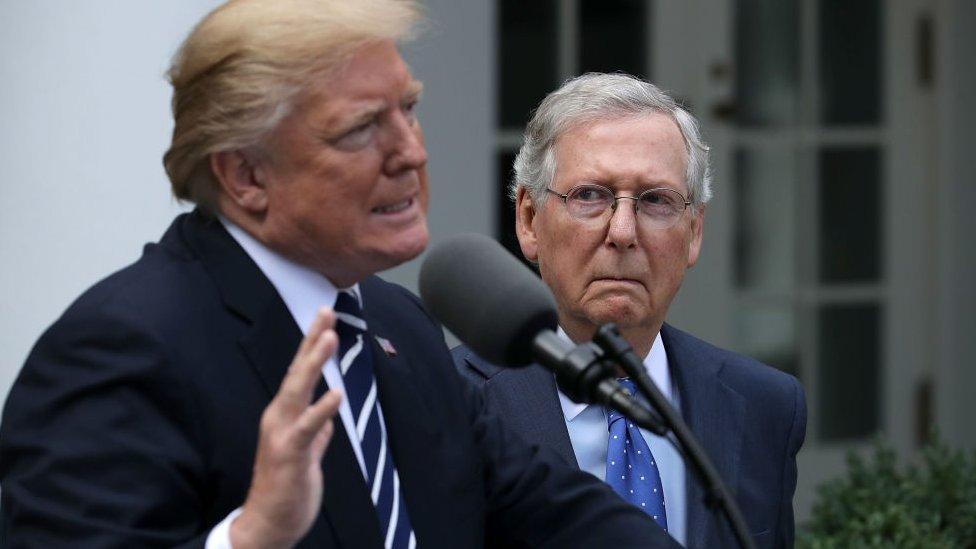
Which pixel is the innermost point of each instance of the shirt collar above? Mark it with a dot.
(302, 289)
(656, 364)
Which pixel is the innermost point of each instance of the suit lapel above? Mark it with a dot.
(272, 336)
(410, 428)
(269, 343)
(529, 401)
(715, 414)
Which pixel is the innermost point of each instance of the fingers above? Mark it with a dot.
(306, 369)
(309, 370)
(317, 416)
(286, 486)
(324, 320)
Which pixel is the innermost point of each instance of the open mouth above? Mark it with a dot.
(394, 208)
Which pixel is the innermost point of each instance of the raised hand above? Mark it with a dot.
(286, 486)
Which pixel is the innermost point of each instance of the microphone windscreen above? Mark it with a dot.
(487, 298)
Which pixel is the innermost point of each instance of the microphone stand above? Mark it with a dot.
(616, 350)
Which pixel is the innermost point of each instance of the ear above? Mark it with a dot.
(525, 216)
(694, 248)
(241, 179)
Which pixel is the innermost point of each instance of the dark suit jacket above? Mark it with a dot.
(134, 421)
(750, 419)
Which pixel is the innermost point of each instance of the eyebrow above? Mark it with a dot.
(414, 89)
(411, 93)
(363, 116)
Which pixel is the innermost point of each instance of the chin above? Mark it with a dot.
(404, 246)
(622, 315)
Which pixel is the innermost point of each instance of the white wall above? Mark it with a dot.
(85, 111)
(85, 120)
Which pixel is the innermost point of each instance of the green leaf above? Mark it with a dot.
(881, 504)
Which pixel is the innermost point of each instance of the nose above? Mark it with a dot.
(406, 147)
(622, 232)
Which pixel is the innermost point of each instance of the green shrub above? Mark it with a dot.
(879, 504)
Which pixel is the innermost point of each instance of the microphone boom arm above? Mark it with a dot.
(584, 376)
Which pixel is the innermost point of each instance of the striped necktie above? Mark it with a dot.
(356, 365)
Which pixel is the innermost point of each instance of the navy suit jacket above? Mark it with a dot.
(750, 418)
(134, 421)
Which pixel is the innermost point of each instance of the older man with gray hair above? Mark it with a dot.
(610, 190)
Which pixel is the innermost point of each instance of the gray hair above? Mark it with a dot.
(598, 96)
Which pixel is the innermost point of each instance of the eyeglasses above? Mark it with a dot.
(661, 207)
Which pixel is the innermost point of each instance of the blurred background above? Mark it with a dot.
(835, 248)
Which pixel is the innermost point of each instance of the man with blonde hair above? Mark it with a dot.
(168, 405)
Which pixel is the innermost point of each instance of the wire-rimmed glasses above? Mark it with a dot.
(660, 207)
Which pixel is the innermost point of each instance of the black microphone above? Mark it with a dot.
(496, 305)
(487, 297)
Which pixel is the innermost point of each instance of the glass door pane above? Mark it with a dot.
(850, 61)
(767, 62)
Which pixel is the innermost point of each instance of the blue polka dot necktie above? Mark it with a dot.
(356, 365)
(631, 469)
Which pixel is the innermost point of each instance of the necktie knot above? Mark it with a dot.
(348, 311)
(629, 385)
(612, 415)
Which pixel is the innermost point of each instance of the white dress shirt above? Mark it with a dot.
(304, 291)
(588, 433)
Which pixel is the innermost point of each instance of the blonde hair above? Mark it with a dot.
(236, 75)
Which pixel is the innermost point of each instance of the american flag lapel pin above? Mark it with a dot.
(387, 347)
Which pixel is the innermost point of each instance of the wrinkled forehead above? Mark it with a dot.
(584, 123)
(650, 144)
(374, 79)
(371, 68)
